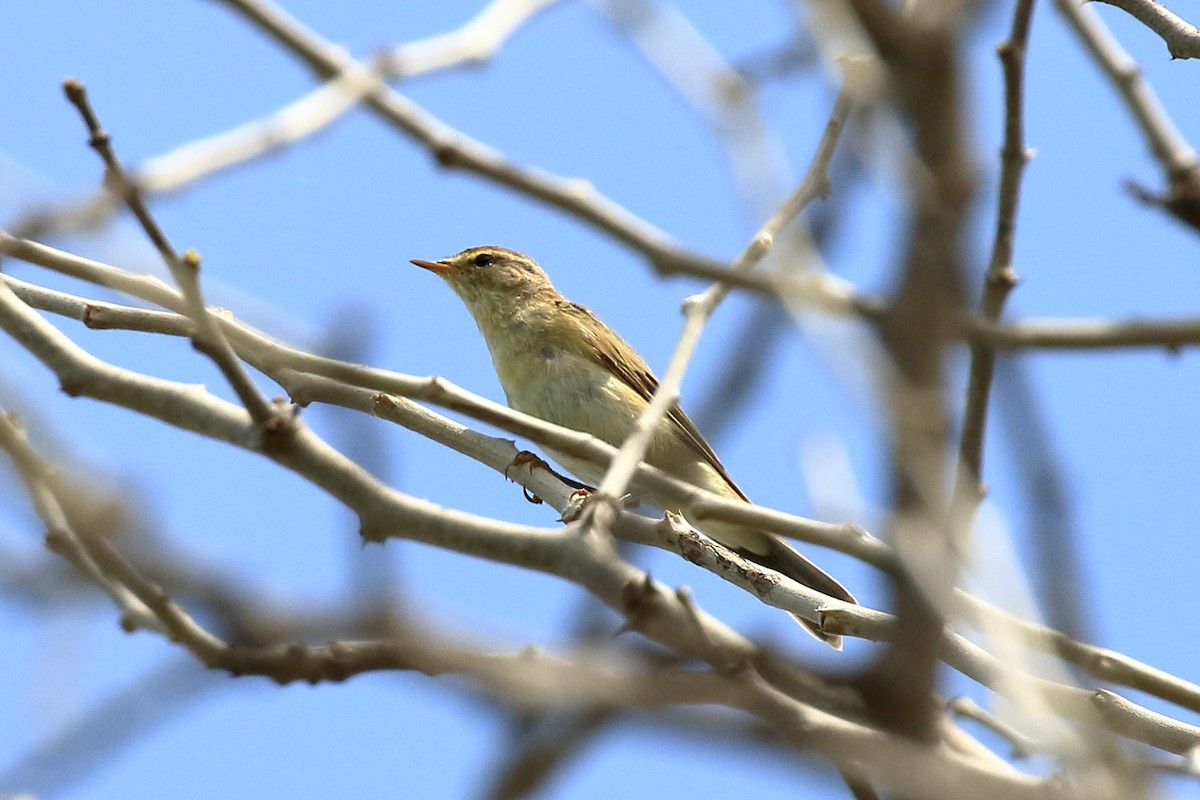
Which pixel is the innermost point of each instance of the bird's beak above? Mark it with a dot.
(437, 267)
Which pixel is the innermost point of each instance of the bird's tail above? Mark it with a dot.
(786, 561)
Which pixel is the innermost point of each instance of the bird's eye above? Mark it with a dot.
(483, 259)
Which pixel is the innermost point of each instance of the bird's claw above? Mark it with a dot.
(575, 504)
(525, 458)
(578, 498)
(522, 459)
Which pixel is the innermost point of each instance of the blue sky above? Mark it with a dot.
(321, 234)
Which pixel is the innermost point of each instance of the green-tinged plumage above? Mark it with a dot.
(556, 360)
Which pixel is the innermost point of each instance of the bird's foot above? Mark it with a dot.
(580, 498)
(525, 459)
(575, 504)
(532, 460)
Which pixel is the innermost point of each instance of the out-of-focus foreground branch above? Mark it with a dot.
(886, 727)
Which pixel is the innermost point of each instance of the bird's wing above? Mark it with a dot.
(624, 362)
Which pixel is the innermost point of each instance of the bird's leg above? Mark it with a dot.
(575, 504)
(531, 460)
(580, 498)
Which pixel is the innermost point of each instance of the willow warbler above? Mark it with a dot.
(557, 361)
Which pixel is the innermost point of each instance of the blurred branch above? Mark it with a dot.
(1098, 709)
(60, 535)
(921, 51)
(373, 581)
(535, 679)
(188, 164)
(680, 627)
(714, 90)
(1021, 745)
(1057, 565)
(752, 353)
(698, 308)
(541, 747)
(1182, 38)
(109, 728)
(455, 150)
(1098, 662)
(1170, 335)
(477, 40)
(314, 378)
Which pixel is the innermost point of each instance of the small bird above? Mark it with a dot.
(557, 361)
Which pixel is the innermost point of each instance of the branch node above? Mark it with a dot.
(372, 533)
(448, 156)
(637, 599)
(191, 260)
(72, 388)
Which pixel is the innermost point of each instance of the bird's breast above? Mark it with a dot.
(569, 390)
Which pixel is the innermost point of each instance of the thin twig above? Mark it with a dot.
(698, 308)
(1169, 147)
(1170, 335)
(60, 536)
(1176, 157)
(455, 150)
(208, 338)
(477, 40)
(1000, 277)
(1181, 37)
(472, 44)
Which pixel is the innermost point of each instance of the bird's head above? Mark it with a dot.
(490, 279)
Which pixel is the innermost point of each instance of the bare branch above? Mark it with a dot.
(1173, 153)
(1170, 335)
(60, 537)
(678, 624)
(921, 51)
(478, 40)
(208, 338)
(698, 308)
(526, 677)
(1181, 37)
(1022, 746)
(307, 378)
(1000, 277)
(456, 150)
